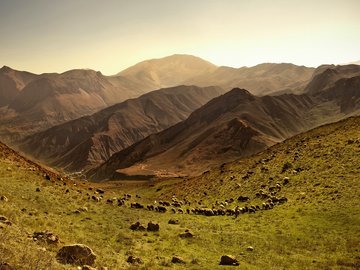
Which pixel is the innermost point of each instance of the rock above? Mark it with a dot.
(81, 209)
(173, 221)
(6, 266)
(4, 198)
(100, 191)
(137, 227)
(76, 254)
(8, 169)
(177, 259)
(250, 248)
(46, 176)
(153, 227)
(186, 234)
(286, 181)
(46, 236)
(37, 190)
(229, 260)
(134, 260)
(5, 221)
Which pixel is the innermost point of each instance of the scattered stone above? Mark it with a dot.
(186, 234)
(177, 259)
(286, 181)
(250, 248)
(46, 236)
(174, 221)
(100, 191)
(81, 209)
(153, 227)
(137, 227)
(134, 260)
(76, 254)
(286, 166)
(229, 260)
(5, 221)
(4, 198)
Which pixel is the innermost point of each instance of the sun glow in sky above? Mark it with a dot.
(54, 36)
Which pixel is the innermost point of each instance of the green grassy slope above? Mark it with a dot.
(318, 228)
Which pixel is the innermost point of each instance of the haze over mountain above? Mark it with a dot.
(263, 79)
(168, 71)
(231, 126)
(190, 70)
(50, 99)
(326, 76)
(90, 140)
(46, 100)
(12, 82)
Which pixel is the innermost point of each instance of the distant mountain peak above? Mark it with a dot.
(6, 69)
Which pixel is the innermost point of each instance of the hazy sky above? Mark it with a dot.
(110, 35)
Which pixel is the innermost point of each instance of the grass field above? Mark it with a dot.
(318, 228)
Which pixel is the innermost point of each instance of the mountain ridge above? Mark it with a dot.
(274, 117)
(92, 139)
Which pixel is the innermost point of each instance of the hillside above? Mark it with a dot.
(263, 79)
(316, 227)
(234, 125)
(12, 82)
(167, 71)
(326, 76)
(51, 99)
(90, 140)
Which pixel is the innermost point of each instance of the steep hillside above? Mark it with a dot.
(52, 99)
(234, 125)
(263, 79)
(327, 75)
(90, 140)
(168, 71)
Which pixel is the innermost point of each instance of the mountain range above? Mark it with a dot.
(31, 103)
(235, 125)
(92, 139)
(111, 126)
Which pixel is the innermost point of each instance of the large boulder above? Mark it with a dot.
(137, 227)
(76, 254)
(153, 227)
(229, 260)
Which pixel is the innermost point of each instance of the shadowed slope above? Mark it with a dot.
(90, 140)
(236, 124)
